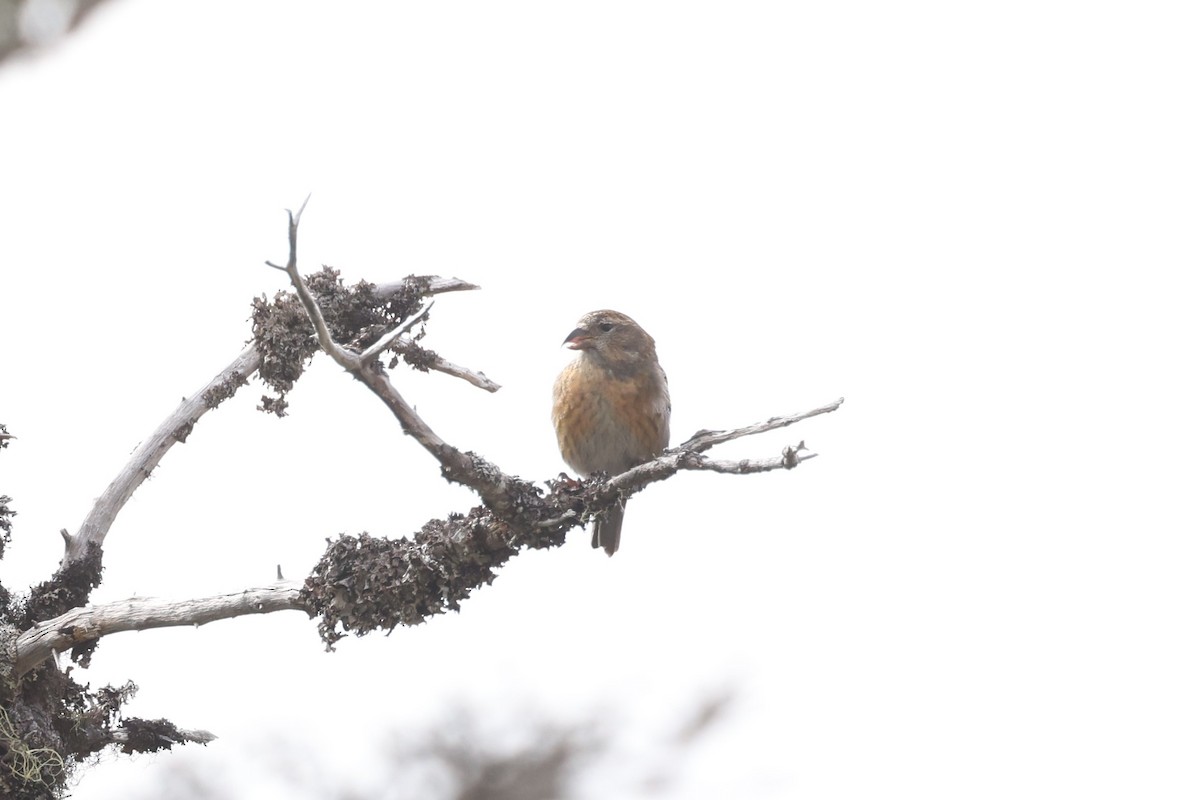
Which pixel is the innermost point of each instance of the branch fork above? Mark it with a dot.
(485, 478)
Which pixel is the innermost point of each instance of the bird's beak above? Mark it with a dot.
(577, 339)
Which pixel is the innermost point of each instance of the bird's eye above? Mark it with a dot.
(606, 326)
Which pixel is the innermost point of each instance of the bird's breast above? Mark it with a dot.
(609, 423)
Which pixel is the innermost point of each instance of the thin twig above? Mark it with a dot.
(704, 440)
(790, 458)
(386, 340)
(439, 364)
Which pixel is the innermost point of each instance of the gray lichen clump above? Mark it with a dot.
(356, 316)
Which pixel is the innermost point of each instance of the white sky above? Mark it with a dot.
(977, 223)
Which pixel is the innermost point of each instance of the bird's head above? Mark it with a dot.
(611, 338)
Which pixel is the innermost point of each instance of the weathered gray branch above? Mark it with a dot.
(439, 364)
(89, 623)
(173, 429)
(705, 440)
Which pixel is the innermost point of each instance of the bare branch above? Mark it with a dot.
(791, 457)
(89, 623)
(175, 428)
(439, 364)
(705, 440)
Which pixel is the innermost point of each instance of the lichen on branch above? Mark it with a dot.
(366, 583)
(357, 316)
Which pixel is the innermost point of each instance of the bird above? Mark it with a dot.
(612, 410)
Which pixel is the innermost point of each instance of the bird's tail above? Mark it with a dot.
(606, 531)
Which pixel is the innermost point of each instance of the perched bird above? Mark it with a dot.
(611, 406)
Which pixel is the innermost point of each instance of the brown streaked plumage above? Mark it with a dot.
(611, 409)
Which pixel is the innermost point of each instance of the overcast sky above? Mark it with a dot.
(977, 222)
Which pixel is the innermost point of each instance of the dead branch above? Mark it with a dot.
(175, 428)
(87, 624)
(705, 440)
(438, 364)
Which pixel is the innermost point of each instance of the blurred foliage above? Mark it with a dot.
(27, 24)
(467, 755)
